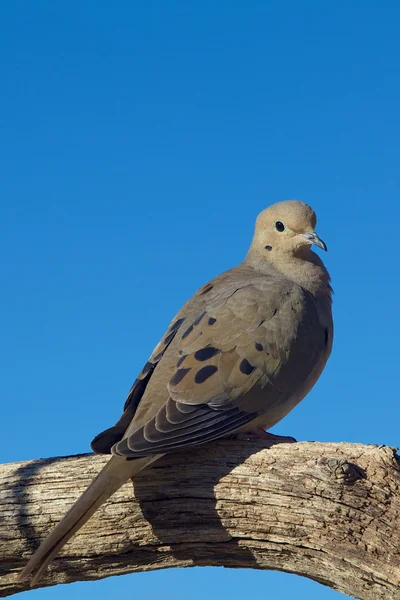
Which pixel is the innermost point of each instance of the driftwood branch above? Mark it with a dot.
(330, 512)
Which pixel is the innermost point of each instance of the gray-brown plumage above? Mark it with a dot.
(241, 353)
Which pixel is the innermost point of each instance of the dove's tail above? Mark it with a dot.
(116, 472)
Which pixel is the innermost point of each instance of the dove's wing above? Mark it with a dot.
(103, 442)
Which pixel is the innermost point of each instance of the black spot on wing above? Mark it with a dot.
(168, 338)
(172, 331)
(259, 347)
(207, 288)
(204, 373)
(187, 332)
(180, 361)
(245, 367)
(211, 321)
(148, 367)
(199, 318)
(178, 376)
(206, 353)
(176, 325)
(195, 322)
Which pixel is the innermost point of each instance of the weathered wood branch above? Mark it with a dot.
(330, 512)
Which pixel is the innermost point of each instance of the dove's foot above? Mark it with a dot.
(258, 433)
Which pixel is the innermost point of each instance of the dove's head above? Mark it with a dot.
(286, 228)
(283, 238)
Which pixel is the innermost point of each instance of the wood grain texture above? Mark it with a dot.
(330, 512)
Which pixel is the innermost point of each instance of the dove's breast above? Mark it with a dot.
(302, 331)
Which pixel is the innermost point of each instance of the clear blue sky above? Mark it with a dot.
(139, 140)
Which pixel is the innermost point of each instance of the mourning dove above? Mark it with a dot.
(240, 354)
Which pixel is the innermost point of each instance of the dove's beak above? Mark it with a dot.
(313, 238)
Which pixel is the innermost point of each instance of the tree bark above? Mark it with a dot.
(330, 512)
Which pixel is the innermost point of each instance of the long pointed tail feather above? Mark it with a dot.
(115, 473)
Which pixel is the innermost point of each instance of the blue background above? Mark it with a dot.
(139, 140)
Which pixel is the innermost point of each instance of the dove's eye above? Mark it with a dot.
(279, 226)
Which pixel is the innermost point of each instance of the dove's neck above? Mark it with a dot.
(305, 269)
